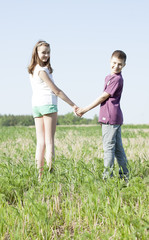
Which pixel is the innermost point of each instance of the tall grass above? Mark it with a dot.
(73, 202)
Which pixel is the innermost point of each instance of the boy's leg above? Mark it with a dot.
(120, 155)
(109, 140)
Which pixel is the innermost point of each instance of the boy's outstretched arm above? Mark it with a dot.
(99, 100)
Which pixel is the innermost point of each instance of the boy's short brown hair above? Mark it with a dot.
(119, 54)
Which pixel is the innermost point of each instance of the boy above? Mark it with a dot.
(111, 117)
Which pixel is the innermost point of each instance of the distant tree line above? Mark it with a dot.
(27, 120)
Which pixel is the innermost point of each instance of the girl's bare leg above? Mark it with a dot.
(50, 121)
(40, 147)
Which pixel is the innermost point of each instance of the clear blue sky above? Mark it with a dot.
(82, 34)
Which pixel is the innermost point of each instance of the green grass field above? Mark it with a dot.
(73, 202)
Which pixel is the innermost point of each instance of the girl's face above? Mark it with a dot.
(43, 53)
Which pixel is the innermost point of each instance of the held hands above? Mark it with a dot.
(78, 111)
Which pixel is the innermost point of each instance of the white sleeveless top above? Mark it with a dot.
(42, 94)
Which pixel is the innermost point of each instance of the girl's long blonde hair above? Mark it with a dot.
(35, 59)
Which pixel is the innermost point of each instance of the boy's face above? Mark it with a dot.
(116, 65)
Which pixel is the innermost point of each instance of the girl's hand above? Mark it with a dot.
(75, 108)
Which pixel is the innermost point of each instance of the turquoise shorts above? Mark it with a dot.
(39, 111)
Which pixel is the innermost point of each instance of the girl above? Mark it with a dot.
(44, 103)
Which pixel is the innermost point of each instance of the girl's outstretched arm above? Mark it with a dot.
(58, 92)
(99, 100)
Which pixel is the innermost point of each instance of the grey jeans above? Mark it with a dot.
(113, 147)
